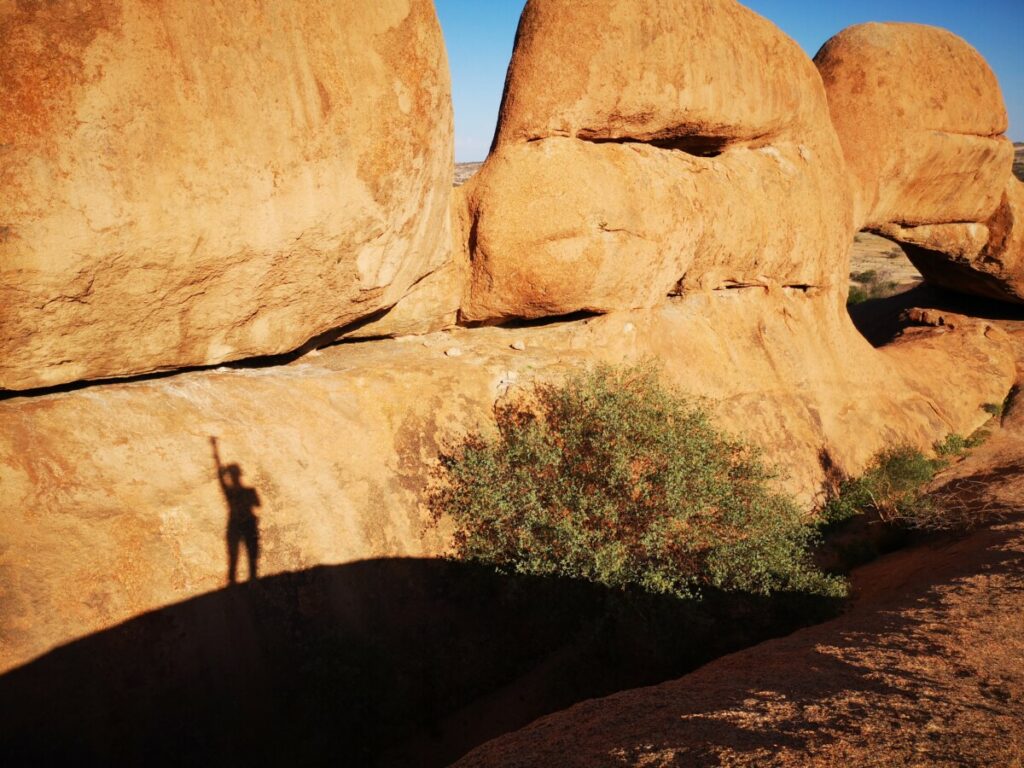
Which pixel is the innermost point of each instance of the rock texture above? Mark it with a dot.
(110, 494)
(921, 117)
(183, 184)
(645, 148)
(984, 259)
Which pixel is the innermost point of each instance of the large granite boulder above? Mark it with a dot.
(114, 502)
(921, 118)
(183, 184)
(650, 147)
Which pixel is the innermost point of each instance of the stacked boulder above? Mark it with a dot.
(921, 118)
(651, 147)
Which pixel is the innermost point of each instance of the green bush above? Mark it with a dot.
(611, 478)
(953, 445)
(857, 295)
(869, 285)
(894, 486)
(867, 276)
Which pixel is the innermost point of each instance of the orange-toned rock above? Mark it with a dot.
(920, 116)
(188, 183)
(111, 502)
(649, 147)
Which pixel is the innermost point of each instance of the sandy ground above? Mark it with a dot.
(463, 171)
(885, 259)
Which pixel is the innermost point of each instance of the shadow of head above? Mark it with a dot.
(234, 474)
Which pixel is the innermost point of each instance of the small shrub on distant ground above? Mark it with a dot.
(612, 478)
(868, 285)
(864, 277)
(957, 445)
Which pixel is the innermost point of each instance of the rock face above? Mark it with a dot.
(203, 183)
(642, 149)
(985, 259)
(111, 493)
(184, 184)
(921, 117)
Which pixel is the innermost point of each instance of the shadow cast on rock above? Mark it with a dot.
(383, 662)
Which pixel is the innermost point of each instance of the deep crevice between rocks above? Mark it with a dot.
(698, 146)
(328, 338)
(532, 322)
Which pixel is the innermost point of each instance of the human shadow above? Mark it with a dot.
(389, 662)
(243, 525)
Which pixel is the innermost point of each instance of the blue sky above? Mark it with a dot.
(479, 35)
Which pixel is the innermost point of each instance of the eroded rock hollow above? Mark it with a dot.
(921, 118)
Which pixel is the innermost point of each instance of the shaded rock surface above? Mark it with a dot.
(985, 259)
(385, 662)
(184, 184)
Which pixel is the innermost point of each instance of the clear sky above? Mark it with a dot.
(479, 35)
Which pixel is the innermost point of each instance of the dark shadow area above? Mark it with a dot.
(696, 145)
(858, 540)
(880, 320)
(942, 270)
(540, 322)
(379, 663)
(822, 687)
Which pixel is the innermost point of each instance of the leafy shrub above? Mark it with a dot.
(893, 486)
(611, 478)
(953, 445)
(896, 488)
(857, 295)
(869, 285)
(866, 276)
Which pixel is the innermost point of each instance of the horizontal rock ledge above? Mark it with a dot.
(112, 506)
